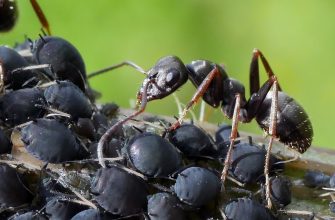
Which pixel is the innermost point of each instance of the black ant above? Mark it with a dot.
(279, 115)
(9, 15)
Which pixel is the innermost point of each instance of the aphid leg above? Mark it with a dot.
(233, 136)
(124, 63)
(108, 134)
(41, 17)
(198, 94)
(272, 133)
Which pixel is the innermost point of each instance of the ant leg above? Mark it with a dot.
(198, 94)
(233, 136)
(272, 133)
(40, 15)
(124, 63)
(108, 134)
(254, 71)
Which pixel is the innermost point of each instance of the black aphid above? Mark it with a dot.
(22, 105)
(165, 206)
(61, 208)
(197, 186)
(153, 155)
(51, 141)
(119, 192)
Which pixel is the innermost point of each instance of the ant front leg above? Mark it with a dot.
(198, 94)
(233, 136)
(108, 134)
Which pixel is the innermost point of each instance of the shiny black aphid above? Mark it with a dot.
(13, 190)
(222, 137)
(246, 209)
(38, 136)
(119, 192)
(20, 106)
(165, 206)
(153, 155)
(92, 214)
(192, 141)
(247, 163)
(64, 58)
(10, 75)
(314, 178)
(62, 208)
(280, 191)
(67, 97)
(197, 186)
(32, 215)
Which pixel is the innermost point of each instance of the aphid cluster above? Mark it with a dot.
(73, 159)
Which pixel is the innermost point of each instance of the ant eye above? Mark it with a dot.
(172, 77)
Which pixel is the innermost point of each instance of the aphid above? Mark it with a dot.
(20, 106)
(246, 209)
(152, 155)
(13, 189)
(64, 59)
(32, 215)
(11, 74)
(119, 192)
(247, 162)
(222, 136)
(165, 206)
(197, 186)
(94, 214)
(62, 208)
(281, 194)
(38, 135)
(317, 179)
(193, 141)
(67, 97)
(9, 15)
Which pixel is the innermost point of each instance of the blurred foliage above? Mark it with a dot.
(297, 37)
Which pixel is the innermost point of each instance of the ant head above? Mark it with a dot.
(164, 78)
(232, 87)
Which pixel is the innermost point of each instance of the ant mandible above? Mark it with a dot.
(9, 14)
(279, 115)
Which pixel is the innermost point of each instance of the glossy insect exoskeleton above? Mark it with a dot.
(246, 209)
(222, 137)
(5, 145)
(197, 186)
(110, 109)
(62, 208)
(9, 15)
(64, 58)
(10, 75)
(280, 189)
(119, 192)
(192, 141)
(112, 150)
(13, 188)
(92, 214)
(32, 215)
(314, 178)
(67, 97)
(39, 134)
(153, 155)
(247, 162)
(20, 106)
(165, 206)
(84, 127)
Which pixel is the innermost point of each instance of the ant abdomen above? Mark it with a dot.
(294, 128)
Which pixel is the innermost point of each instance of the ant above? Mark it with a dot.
(9, 15)
(279, 115)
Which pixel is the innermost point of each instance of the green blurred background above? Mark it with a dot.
(297, 37)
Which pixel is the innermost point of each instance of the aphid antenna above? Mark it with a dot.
(129, 170)
(235, 181)
(298, 212)
(178, 103)
(161, 187)
(47, 84)
(125, 63)
(54, 111)
(296, 157)
(202, 111)
(241, 191)
(224, 217)
(25, 53)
